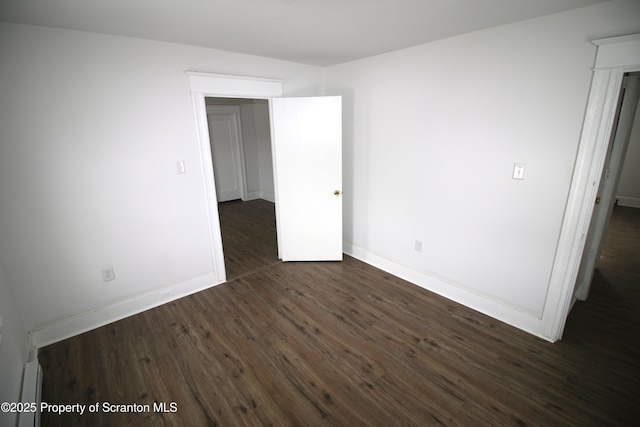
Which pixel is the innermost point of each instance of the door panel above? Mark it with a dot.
(226, 156)
(307, 155)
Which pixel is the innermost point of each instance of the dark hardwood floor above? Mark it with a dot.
(345, 344)
(248, 236)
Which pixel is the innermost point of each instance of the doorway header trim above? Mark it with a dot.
(618, 51)
(230, 86)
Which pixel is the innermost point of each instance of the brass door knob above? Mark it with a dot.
(336, 193)
(598, 200)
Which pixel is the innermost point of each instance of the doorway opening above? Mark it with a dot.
(307, 166)
(620, 172)
(240, 141)
(615, 57)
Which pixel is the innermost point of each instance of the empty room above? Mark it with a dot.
(305, 212)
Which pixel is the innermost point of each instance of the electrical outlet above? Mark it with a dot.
(418, 246)
(108, 274)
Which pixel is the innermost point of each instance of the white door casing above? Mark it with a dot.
(228, 86)
(615, 57)
(307, 155)
(220, 86)
(605, 199)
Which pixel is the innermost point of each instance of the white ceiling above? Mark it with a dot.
(316, 32)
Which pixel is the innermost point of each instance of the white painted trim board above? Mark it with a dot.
(630, 202)
(497, 310)
(84, 322)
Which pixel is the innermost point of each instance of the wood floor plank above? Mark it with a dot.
(345, 344)
(248, 236)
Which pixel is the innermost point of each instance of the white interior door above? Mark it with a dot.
(226, 153)
(608, 184)
(307, 156)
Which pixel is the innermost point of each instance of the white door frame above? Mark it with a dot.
(221, 86)
(612, 170)
(615, 57)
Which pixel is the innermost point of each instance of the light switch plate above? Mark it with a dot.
(518, 171)
(181, 167)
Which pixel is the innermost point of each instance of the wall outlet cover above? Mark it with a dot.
(108, 274)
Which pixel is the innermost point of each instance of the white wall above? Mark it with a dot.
(629, 186)
(13, 349)
(431, 137)
(91, 128)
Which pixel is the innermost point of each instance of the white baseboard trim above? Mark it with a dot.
(269, 197)
(497, 310)
(84, 322)
(631, 202)
(255, 195)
